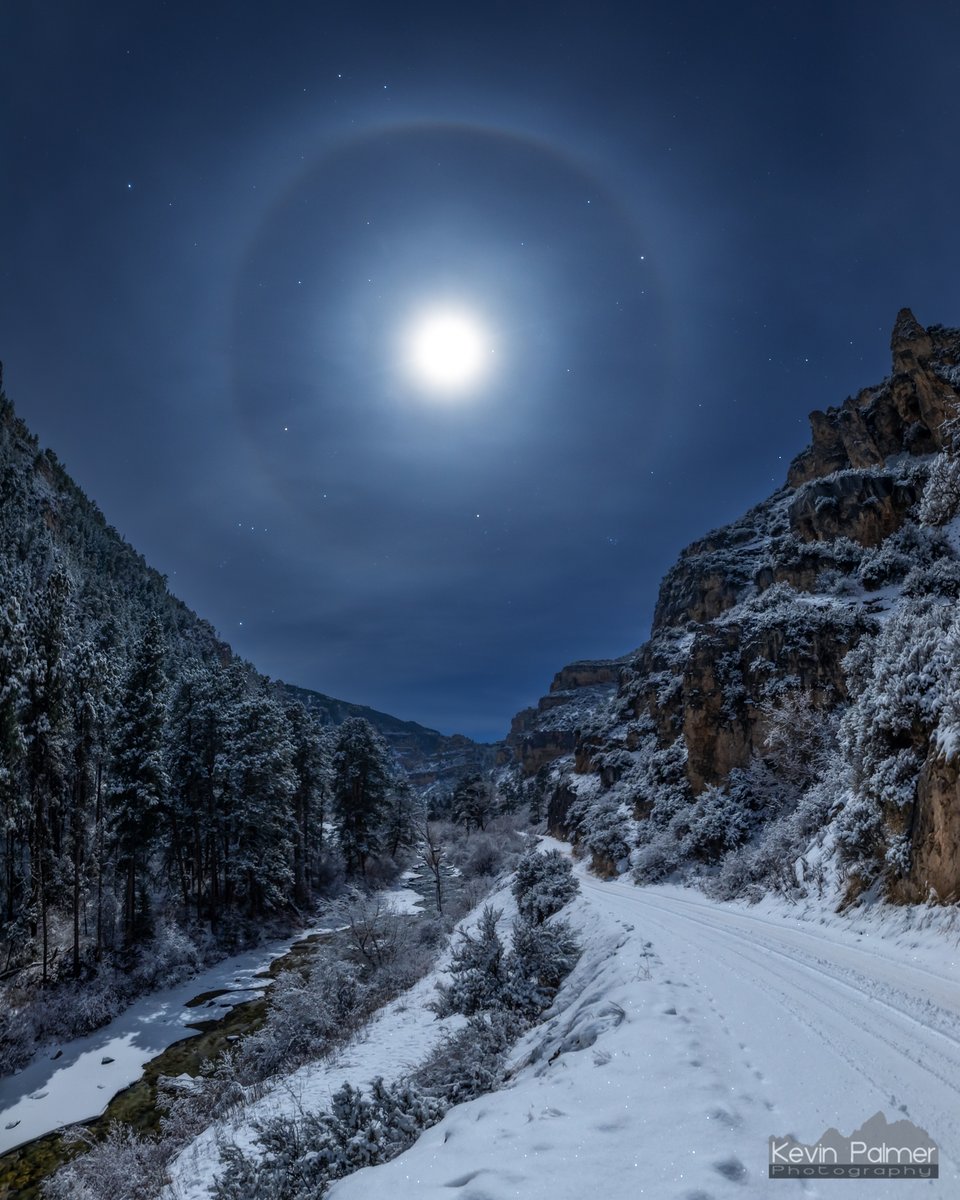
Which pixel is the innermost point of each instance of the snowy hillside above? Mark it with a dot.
(689, 1033)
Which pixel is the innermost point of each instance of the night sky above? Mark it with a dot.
(678, 227)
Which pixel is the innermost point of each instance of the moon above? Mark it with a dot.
(448, 351)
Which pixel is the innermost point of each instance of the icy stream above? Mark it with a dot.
(75, 1081)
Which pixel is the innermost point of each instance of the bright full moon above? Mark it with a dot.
(448, 351)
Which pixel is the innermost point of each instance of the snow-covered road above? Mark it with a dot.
(689, 1033)
(824, 1026)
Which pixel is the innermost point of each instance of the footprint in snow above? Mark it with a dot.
(11, 1125)
(39, 1095)
(731, 1168)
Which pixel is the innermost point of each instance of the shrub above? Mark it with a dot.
(543, 884)
(469, 1062)
(477, 970)
(303, 1155)
(540, 959)
(123, 1164)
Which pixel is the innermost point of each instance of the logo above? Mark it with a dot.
(877, 1150)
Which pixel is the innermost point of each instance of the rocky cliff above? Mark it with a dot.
(736, 739)
(551, 728)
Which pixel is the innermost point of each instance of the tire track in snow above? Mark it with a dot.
(831, 1028)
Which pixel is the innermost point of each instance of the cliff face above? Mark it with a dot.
(550, 730)
(907, 412)
(743, 705)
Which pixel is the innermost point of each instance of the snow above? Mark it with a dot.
(404, 900)
(398, 1038)
(72, 1082)
(689, 1033)
(736, 1024)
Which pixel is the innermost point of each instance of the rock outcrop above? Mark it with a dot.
(935, 862)
(906, 413)
(551, 729)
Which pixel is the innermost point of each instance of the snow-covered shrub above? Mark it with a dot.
(191, 1104)
(940, 502)
(716, 822)
(482, 857)
(884, 565)
(477, 970)
(543, 884)
(941, 578)
(302, 1156)
(912, 546)
(774, 857)
(860, 833)
(608, 834)
(307, 1016)
(122, 1164)
(541, 957)
(469, 1062)
(902, 685)
(659, 855)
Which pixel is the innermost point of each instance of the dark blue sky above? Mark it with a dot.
(686, 224)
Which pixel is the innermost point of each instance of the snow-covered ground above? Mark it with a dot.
(398, 1038)
(689, 1032)
(75, 1081)
(405, 900)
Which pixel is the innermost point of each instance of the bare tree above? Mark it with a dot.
(432, 852)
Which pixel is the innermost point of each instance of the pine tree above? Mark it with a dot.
(400, 827)
(138, 772)
(361, 785)
(45, 732)
(473, 802)
(196, 738)
(263, 783)
(310, 797)
(88, 681)
(543, 883)
(477, 970)
(14, 806)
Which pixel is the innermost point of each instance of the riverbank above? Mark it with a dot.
(169, 1033)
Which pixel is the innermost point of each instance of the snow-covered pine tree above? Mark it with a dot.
(14, 805)
(478, 974)
(88, 681)
(402, 817)
(262, 783)
(311, 766)
(473, 802)
(46, 734)
(139, 780)
(543, 883)
(362, 779)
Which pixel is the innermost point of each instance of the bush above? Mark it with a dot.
(469, 1062)
(123, 1164)
(477, 970)
(307, 1017)
(543, 884)
(718, 821)
(941, 496)
(304, 1155)
(540, 959)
